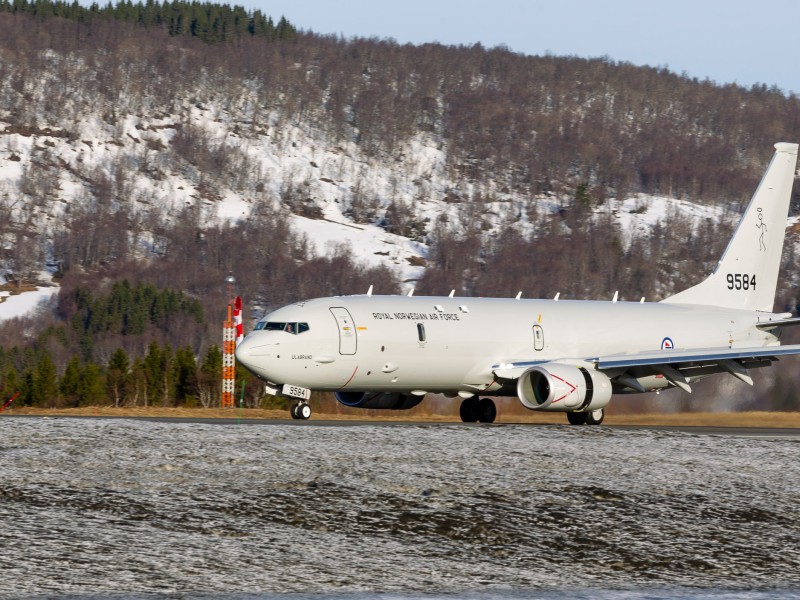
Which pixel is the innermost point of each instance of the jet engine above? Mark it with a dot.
(384, 400)
(565, 388)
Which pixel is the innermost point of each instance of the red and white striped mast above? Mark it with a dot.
(229, 340)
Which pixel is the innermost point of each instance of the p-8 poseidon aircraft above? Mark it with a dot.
(388, 352)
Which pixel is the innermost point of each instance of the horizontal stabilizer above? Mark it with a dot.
(778, 323)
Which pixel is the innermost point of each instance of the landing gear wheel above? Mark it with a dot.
(293, 409)
(469, 410)
(303, 411)
(487, 411)
(577, 418)
(595, 417)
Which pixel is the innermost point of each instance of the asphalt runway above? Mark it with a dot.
(786, 433)
(164, 508)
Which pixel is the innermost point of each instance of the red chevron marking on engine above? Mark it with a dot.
(572, 388)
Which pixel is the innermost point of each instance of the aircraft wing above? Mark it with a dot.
(688, 357)
(678, 366)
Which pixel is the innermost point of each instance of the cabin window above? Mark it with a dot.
(293, 328)
(421, 331)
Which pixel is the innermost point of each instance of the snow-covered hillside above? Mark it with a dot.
(284, 163)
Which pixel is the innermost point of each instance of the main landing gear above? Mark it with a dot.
(478, 409)
(594, 417)
(300, 410)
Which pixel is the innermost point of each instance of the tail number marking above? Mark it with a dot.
(739, 281)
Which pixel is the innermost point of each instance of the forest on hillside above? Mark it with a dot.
(581, 130)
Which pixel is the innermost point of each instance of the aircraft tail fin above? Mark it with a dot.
(747, 274)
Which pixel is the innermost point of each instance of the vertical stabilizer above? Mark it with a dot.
(747, 274)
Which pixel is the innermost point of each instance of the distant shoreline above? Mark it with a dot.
(700, 419)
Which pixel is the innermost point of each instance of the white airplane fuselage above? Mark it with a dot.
(464, 337)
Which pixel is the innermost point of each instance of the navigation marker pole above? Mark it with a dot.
(229, 347)
(228, 361)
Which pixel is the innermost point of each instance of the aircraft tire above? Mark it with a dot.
(595, 417)
(469, 410)
(293, 409)
(303, 411)
(577, 418)
(487, 411)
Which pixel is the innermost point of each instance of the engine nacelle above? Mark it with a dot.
(382, 400)
(564, 388)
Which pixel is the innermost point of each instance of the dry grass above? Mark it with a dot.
(728, 419)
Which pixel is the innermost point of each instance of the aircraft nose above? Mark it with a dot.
(243, 352)
(253, 353)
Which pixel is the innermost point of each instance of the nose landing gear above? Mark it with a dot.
(300, 410)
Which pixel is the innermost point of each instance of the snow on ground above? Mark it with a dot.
(639, 214)
(370, 243)
(22, 304)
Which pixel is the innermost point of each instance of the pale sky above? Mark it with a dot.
(728, 41)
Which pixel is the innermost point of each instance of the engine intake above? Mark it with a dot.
(378, 400)
(564, 388)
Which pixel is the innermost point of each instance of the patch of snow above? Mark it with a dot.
(22, 304)
(371, 244)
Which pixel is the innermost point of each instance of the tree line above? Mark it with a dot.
(210, 22)
(65, 364)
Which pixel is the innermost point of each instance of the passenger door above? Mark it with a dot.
(348, 340)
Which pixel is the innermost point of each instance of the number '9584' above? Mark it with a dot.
(741, 281)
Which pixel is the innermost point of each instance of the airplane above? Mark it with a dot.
(388, 352)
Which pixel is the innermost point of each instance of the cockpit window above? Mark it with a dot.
(259, 325)
(293, 328)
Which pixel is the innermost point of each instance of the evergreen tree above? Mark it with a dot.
(70, 384)
(92, 386)
(11, 382)
(118, 376)
(45, 385)
(152, 366)
(27, 387)
(184, 376)
(212, 363)
(158, 373)
(209, 378)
